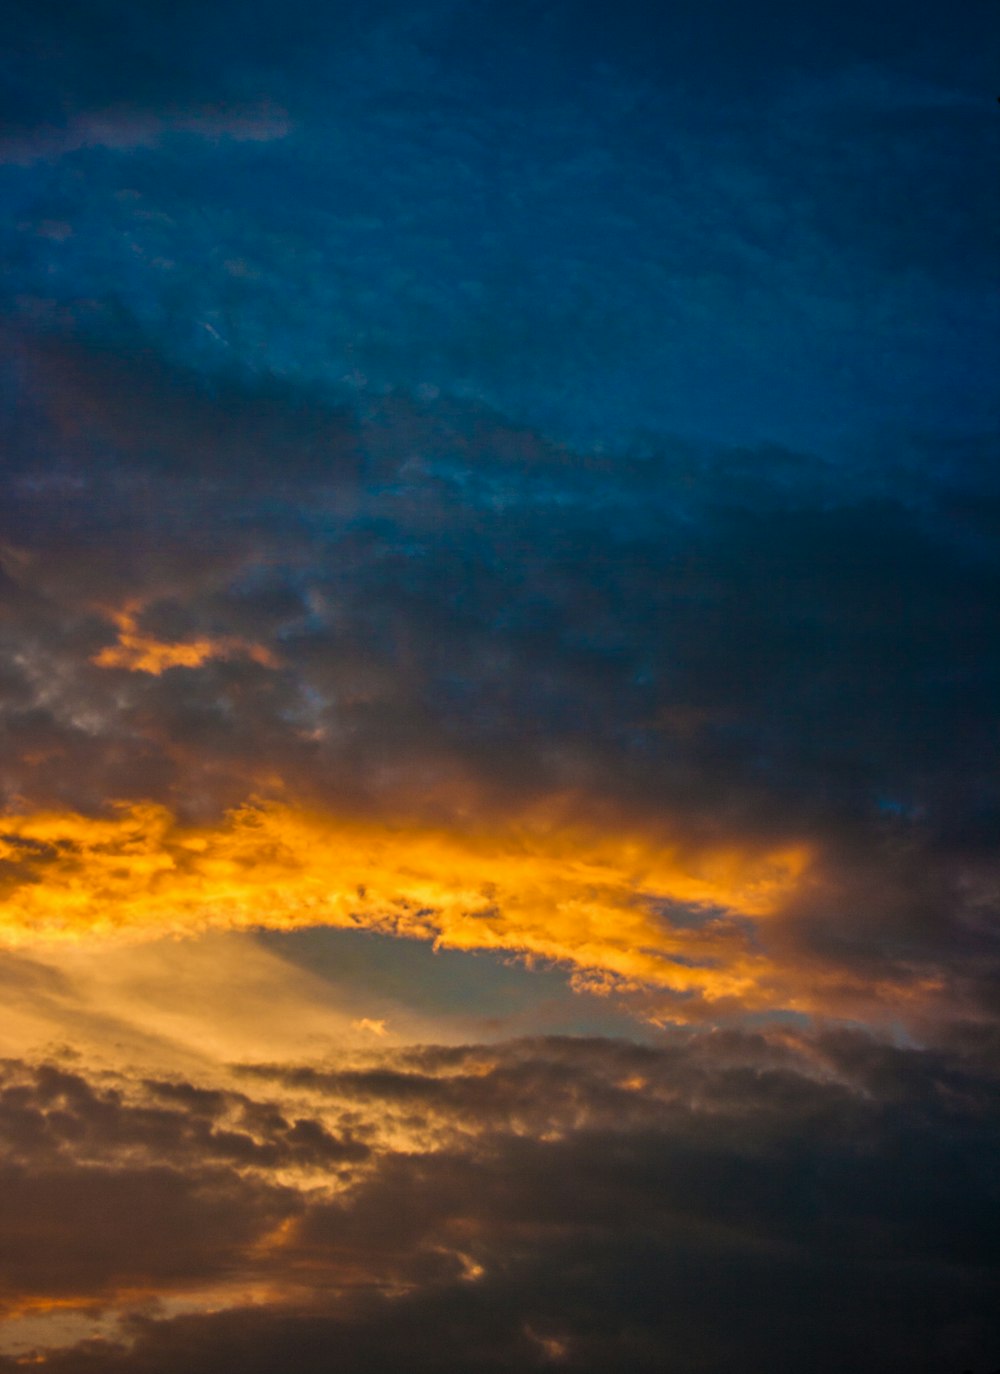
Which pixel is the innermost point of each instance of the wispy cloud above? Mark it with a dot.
(126, 131)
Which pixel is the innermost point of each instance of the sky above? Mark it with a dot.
(499, 680)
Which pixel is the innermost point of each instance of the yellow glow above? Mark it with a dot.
(555, 893)
(140, 653)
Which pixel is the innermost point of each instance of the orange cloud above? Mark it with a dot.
(560, 893)
(142, 653)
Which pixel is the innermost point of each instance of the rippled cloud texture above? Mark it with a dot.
(499, 663)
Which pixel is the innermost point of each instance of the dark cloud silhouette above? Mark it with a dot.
(581, 1203)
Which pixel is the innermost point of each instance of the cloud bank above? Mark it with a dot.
(716, 722)
(550, 1202)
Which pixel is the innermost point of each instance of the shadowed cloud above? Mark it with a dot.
(484, 690)
(517, 1187)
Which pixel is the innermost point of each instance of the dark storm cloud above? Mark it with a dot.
(695, 1081)
(587, 1203)
(97, 1196)
(55, 1114)
(749, 631)
(739, 645)
(80, 1235)
(145, 1187)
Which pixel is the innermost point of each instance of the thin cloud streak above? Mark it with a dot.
(127, 131)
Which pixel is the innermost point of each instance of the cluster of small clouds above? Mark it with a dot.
(574, 1202)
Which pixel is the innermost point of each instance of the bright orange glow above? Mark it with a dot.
(140, 653)
(32, 1304)
(554, 893)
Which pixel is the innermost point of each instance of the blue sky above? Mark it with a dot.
(603, 229)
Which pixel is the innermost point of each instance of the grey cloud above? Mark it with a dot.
(553, 1219)
(81, 1234)
(57, 1115)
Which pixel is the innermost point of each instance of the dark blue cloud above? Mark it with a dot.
(590, 220)
(731, 645)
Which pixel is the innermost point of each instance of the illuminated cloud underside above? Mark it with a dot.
(550, 893)
(140, 653)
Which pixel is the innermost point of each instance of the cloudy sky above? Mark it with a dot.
(499, 683)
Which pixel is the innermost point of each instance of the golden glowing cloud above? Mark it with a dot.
(555, 893)
(142, 653)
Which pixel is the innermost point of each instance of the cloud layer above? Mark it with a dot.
(718, 722)
(563, 1202)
